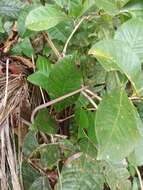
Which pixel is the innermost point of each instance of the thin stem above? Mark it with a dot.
(93, 94)
(71, 35)
(90, 99)
(55, 101)
(66, 118)
(140, 179)
(51, 44)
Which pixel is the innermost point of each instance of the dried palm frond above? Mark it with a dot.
(16, 90)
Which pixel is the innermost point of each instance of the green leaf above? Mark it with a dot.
(10, 8)
(116, 175)
(50, 156)
(40, 77)
(88, 147)
(82, 173)
(45, 123)
(64, 78)
(131, 32)
(75, 8)
(44, 18)
(30, 143)
(117, 55)
(1, 26)
(85, 122)
(136, 158)
(135, 7)
(61, 32)
(111, 6)
(29, 174)
(116, 126)
(41, 183)
(23, 32)
(26, 47)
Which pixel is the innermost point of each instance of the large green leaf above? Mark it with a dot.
(111, 6)
(44, 18)
(131, 32)
(82, 173)
(64, 78)
(116, 126)
(117, 55)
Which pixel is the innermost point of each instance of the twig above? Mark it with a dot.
(90, 99)
(93, 94)
(6, 86)
(11, 160)
(136, 98)
(3, 159)
(55, 101)
(140, 179)
(66, 118)
(71, 35)
(72, 157)
(51, 44)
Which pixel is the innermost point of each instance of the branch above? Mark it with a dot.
(93, 94)
(89, 99)
(139, 177)
(51, 44)
(59, 99)
(71, 35)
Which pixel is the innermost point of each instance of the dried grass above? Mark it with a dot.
(14, 94)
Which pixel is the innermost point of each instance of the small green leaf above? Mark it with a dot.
(40, 77)
(26, 47)
(44, 18)
(116, 126)
(45, 123)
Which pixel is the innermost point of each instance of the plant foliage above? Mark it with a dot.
(86, 129)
